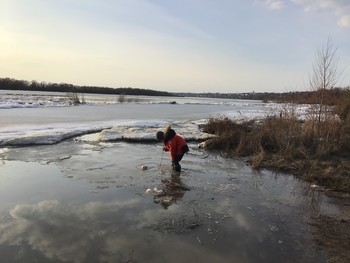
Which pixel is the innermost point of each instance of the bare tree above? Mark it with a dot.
(325, 75)
(73, 98)
(122, 98)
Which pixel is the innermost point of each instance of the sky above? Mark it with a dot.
(224, 46)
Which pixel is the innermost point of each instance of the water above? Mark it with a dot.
(92, 207)
(83, 200)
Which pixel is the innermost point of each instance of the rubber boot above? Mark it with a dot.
(177, 167)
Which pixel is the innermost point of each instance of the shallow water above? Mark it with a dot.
(84, 200)
(91, 206)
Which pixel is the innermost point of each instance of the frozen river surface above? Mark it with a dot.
(75, 191)
(28, 120)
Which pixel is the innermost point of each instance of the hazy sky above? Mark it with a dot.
(172, 45)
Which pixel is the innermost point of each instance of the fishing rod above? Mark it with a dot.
(161, 159)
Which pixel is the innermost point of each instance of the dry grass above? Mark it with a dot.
(74, 99)
(332, 234)
(318, 151)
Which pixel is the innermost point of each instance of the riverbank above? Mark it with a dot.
(288, 145)
(318, 154)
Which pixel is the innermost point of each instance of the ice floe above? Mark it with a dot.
(129, 122)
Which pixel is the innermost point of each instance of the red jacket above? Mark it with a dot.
(175, 146)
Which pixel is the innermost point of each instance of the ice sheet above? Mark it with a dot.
(29, 118)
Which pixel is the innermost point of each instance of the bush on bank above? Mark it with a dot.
(317, 149)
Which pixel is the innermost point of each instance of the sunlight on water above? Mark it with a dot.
(80, 199)
(91, 206)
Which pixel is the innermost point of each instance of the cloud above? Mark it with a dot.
(344, 21)
(340, 8)
(66, 232)
(106, 232)
(273, 4)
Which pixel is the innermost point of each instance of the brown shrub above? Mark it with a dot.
(229, 134)
(222, 125)
(279, 134)
(247, 145)
(342, 107)
(316, 151)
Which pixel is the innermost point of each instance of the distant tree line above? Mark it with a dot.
(13, 84)
(331, 96)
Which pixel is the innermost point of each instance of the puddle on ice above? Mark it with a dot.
(76, 202)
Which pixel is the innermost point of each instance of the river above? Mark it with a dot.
(80, 199)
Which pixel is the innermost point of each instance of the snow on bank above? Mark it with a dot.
(146, 132)
(102, 124)
(109, 131)
(45, 136)
(13, 101)
(133, 131)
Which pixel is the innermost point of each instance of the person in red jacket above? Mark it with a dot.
(175, 144)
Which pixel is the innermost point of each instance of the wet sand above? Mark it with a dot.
(87, 202)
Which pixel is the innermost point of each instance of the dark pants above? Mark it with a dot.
(175, 163)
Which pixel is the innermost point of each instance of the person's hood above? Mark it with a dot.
(169, 134)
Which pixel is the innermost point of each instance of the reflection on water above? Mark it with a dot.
(216, 210)
(173, 191)
(63, 231)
